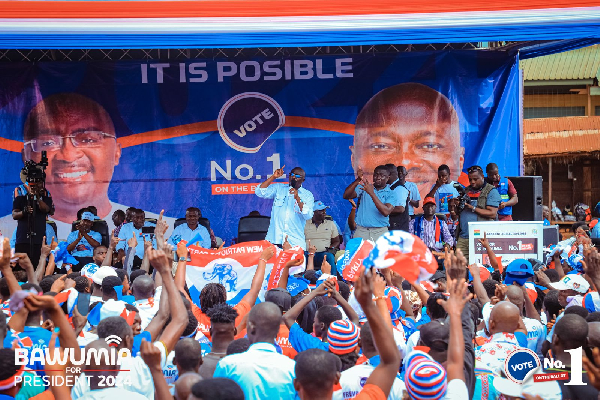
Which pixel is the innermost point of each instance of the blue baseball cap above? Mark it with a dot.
(518, 270)
(88, 216)
(319, 206)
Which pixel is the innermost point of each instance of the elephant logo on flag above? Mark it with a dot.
(226, 275)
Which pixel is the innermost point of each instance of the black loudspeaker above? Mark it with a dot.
(551, 235)
(529, 190)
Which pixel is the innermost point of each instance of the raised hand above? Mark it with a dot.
(53, 243)
(147, 244)
(294, 263)
(501, 290)
(24, 260)
(268, 252)
(484, 242)
(459, 297)
(151, 355)
(5, 260)
(591, 263)
(278, 173)
(35, 303)
(359, 173)
(182, 250)
(159, 260)
(286, 245)
(456, 264)
(543, 279)
(368, 187)
(45, 249)
(114, 240)
(59, 284)
(161, 225)
(312, 249)
(132, 242)
(474, 270)
(379, 286)
(326, 288)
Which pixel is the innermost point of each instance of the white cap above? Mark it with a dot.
(102, 273)
(112, 308)
(89, 270)
(572, 282)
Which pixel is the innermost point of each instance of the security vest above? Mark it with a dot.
(503, 190)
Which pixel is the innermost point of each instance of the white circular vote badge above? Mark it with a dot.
(521, 364)
(248, 119)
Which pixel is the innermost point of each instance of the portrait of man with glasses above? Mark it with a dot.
(79, 137)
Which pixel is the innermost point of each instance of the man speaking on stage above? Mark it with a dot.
(292, 207)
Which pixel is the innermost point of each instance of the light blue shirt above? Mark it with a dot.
(401, 194)
(594, 234)
(183, 232)
(127, 231)
(261, 372)
(414, 195)
(49, 235)
(286, 217)
(442, 195)
(83, 248)
(367, 215)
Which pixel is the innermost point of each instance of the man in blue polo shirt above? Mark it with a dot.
(82, 242)
(443, 190)
(375, 203)
(135, 228)
(190, 229)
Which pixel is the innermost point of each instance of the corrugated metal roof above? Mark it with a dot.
(582, 63)
(561, 136)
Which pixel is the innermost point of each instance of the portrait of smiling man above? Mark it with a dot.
(79, 136)
(412, 125)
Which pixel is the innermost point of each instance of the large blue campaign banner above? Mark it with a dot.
(170, 135)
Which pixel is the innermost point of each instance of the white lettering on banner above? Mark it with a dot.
(250, 125)
(112, 356)
(226, 173)
(249, 71)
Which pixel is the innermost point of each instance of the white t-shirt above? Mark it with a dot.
(135, 377)
(457, 390)
(353, 380)
(536, 334)
(412, 341)
(148, 307)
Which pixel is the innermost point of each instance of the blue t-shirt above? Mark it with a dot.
(442, 195)
(367, 215)
(595, 233)
(467, 215)
(301, 340)
(83, 248)
(32, 337)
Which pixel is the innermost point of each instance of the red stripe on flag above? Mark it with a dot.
(279, 265)
(61, 297)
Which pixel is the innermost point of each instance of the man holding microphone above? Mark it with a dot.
(292, 207)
